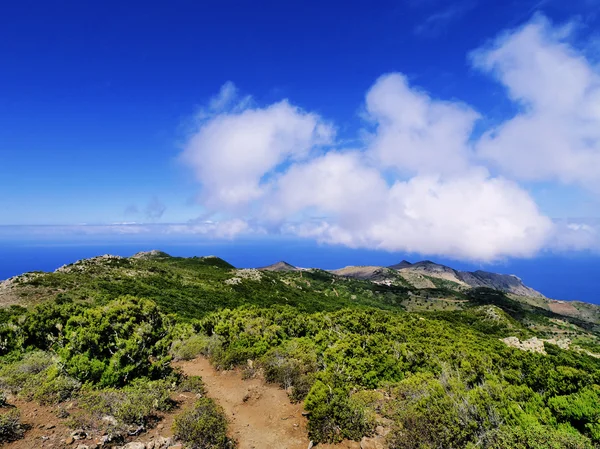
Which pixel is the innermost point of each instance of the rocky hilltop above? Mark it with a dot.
(507, 283)
(279, 266)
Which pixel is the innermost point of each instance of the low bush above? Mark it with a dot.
(135, 404)
(334, 415)
(10, 426)
(204, 426)
(190, 348)
(192, 384)
(536, 437)
(38, 376)
(292, 366)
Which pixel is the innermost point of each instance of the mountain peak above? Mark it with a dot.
(399, 266)
(280, 266)
(154, 253)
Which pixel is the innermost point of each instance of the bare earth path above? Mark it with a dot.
(261, 415)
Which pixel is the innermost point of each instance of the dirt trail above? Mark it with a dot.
(260, 414)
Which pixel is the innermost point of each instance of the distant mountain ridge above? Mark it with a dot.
(507, 283)
(428, 274)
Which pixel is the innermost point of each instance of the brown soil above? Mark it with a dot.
(260, 414)
(563, 308)
(46, 430)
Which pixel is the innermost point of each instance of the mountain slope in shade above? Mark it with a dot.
(401, 265)
(280, 266)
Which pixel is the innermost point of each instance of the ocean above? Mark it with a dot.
(559, 276)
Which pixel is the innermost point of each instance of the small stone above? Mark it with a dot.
(372, 443)
(50, 426)
(135, 445)
(69, 440)
(79, 434)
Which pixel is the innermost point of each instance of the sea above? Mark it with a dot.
(560, 276)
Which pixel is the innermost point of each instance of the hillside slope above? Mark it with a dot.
(365, 353)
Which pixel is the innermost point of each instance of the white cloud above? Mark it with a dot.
(419, 181)
(472, 217)
(416, 133)
(230, 152)
(556, 136)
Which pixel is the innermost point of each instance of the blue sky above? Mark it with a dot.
(372, 126)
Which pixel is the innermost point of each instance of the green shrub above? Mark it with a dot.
(334, 416)
(55, 388)
(114, 344)
(193, 384)
(536, 437)
(204, 426)
(10, 426)
(25, 375)
(292, 366)
(134, 404)
(190, 348)
(38, 376)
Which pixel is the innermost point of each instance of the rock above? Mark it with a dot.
(162, 443)
(110, 420)
(372, 443)
(177, 446)
(382, 431)
(79, 434)
(135, 445)
(50, 426)
(150, 445)
(83, 446)
(69, 440)
(310, 445)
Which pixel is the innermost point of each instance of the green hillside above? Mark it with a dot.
(438, 368)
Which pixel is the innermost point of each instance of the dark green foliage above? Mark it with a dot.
(451, 383)
(114, 344)
(10, 426)
(204, 426)
(334, 416)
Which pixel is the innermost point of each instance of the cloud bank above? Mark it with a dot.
(419, 181)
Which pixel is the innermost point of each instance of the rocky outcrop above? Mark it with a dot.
(152, 254)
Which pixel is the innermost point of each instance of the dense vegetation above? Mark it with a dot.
(347, 348)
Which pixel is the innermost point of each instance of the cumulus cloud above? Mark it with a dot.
(231, 151)
(419, 181)
(472, 216)
(556, 135)
(416, 133)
